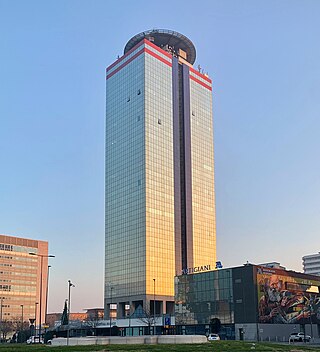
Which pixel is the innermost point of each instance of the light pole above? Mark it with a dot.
(35, 318)
(1, 315)
(40, 300)
(70, 284)
(111, 288)
(1, 298)
(21, 331)
(45, 317)
(154, 306)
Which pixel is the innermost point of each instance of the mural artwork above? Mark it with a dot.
(285, 299)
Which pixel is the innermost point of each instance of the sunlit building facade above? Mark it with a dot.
(160, 201)
(20, 279)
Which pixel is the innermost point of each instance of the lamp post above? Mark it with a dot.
(154, 306)
(70, 284)
(1, 298)
(111, 288)
(35, 318)
(45, 317)
(21, 330)
(21, 305)
(40, 300)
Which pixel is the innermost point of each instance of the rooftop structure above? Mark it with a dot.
(170, 41)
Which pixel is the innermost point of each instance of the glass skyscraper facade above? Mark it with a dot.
(160, 201)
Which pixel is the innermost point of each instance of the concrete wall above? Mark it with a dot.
(148, 340)
(272, 332)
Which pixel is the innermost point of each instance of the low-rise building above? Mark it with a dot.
(91, 314)
(251, 302)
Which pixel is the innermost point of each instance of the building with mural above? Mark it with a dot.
(250, 302)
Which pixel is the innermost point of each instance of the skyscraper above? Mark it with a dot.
(160, 201)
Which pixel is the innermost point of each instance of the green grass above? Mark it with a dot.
(216, 346)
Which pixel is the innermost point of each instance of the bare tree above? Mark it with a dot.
(93, 320)
(147, 318)
(6, 326)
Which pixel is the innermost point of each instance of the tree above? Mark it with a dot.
(215, 325)
(92, 321)
(146, 318)
(6, 326)
(22, 330)
(64, 316)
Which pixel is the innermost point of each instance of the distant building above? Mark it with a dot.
(160, 198)
(275, 265)
(251, 302)
(20, 278)
(92, 314)
(311, 264)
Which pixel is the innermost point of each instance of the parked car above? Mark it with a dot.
(34, 339)
(213, 337)
(299, 336)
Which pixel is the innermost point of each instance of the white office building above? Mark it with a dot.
(311, 264)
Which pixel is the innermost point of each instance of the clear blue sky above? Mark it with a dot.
(264, 58)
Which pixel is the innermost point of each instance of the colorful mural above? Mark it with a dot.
(287, 298)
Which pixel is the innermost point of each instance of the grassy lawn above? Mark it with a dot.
(216, 346)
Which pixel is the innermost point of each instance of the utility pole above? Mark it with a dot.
(154, 306)
(70, 284)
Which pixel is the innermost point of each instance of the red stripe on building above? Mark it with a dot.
(200, 75)
(143, 41)
(157, 48)
(143, 50)
(126, 63)
(124, 56)
(200, 82)
(158, 57)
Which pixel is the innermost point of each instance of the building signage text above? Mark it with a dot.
(196, 269)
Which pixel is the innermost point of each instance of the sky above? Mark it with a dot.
(264, 59)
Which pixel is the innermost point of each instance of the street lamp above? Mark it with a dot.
(21, 331)
(45, 317)
(111, 288)
(21, 305)
(1, 298)
(41, 261)
(35, 318)
(70, 284)
(154, 306)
